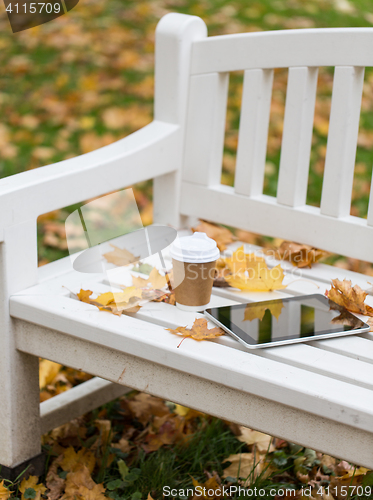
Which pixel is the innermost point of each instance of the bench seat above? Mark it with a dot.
(319, 394)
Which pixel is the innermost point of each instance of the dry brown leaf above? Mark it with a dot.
(54, 482)
(262, 441)
(144, 407)
(220, 234)
(260, 278)
(243, 465)
(199, 331)
(350, 297)
(299, 255)
(32, 482)
(120, 256)
(123, 445)
(168, 430)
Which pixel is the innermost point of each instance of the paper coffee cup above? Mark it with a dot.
(194, 258)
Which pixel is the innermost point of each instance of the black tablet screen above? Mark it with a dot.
(286, 319)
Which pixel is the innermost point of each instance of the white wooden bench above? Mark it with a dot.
(319, 394)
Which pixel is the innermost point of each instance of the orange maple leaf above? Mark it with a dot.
(199, 331)
(84, 295)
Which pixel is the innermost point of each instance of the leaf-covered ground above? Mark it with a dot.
(140, 447)
(84, 81)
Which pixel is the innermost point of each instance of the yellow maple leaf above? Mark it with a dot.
(48, 371)
(240, 261)
(126, 301)
(32, 482)
(4, 492)
(258, 311)
(260, 278)
(199, 331)
(84, 295)
(80, 485)
(105, 298)
(127, 294)
(71, 459)
(155, 280)
(96, 493)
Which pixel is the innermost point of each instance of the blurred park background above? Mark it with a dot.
(86, 79)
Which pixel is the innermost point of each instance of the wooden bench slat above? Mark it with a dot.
(297, 136)
(342, 140)
(253, 131)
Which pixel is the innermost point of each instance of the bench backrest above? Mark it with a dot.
(331, 226)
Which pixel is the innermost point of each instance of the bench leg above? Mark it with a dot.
(20, 444)
(19, 372)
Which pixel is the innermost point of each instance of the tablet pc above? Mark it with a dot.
(286, 321)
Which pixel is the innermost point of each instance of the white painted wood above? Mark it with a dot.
(297, 136)
(175, 35)
(342, 141)
(75, 402)
(192, 389)
(205, 127)
(233, 368)
(358, 348)
(145, 154)
(370, 207)
(283, 49)
(253, 132)
(264, 216)
(19, 372)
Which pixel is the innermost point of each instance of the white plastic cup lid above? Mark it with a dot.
(197, 248)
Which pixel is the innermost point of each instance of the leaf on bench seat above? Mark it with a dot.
(259, 279)
(116, 303)
(299, 255)
(199, 331)
(248, 272)
(350, 297)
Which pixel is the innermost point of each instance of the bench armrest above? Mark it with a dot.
(143, 155)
